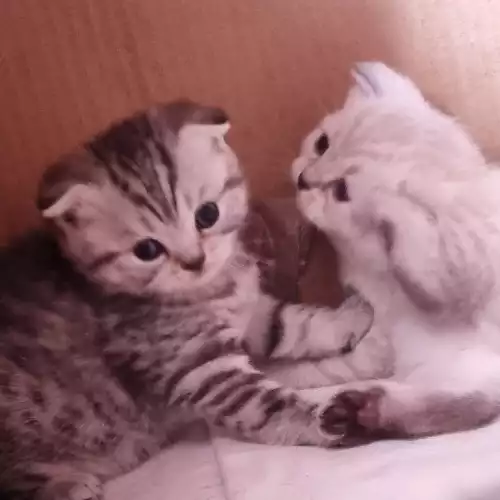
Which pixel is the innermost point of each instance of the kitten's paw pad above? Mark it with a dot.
(340, 415)
(353, 412)
(369, 415)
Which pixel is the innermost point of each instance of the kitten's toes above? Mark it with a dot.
(369, 415)
(353, 413)
(86, 492)
(341, 414)
(83, 487)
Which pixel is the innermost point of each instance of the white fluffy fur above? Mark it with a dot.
(420, 238)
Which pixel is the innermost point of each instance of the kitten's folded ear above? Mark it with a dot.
(210, 121)
(376, 80)
(208, 115)
(66, 183)
(184, 112)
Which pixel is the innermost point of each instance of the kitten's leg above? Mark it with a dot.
(295, 332)
(393, 409)
(229, 392)
(373, 358)
(52, 481)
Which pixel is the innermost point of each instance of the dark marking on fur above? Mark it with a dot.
(240, 401)
(388, 234)
(212, 350)
(246, 379)
(305, 326)
(340, 190)
(64, 426)
(123, 366)
(72, 413)
(349, 347)
(37, 397)
(171, 171)
(276, 406)
(128, 144)
(140, 200)
(273, 401)
(212, 382)
(275, 329)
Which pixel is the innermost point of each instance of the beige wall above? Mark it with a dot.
(68, 67)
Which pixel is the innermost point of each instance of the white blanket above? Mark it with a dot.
(463, 466)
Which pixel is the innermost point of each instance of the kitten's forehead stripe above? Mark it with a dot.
(162, 194)
(136, 147)
(133, 148)
(142, 202)
(171, 170)
(139, 199)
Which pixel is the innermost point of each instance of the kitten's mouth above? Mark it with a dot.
(305, 202)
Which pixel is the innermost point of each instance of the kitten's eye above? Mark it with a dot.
(340, 191)
(322, 144)
(206, 215)
(148, 249)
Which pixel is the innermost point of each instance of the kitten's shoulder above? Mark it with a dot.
(33, 259)
(35, 242)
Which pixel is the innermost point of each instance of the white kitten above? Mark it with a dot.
(413, 209)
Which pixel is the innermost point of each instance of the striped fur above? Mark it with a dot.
(104, 356)
(416, 226)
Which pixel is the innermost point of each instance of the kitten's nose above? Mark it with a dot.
(194, 265)
(302, 184)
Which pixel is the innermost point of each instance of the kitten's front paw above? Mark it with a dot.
(355, 414)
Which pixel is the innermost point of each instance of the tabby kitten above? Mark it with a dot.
(138, 308)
